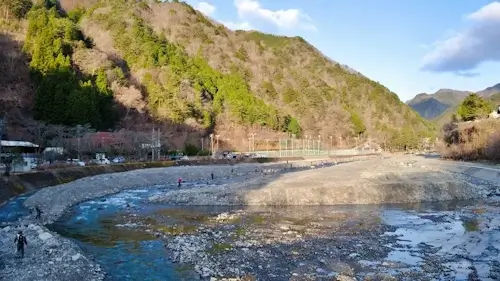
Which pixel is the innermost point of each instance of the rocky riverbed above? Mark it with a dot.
(48, 256)
(52, 257)
(442, 241)
(293, 243)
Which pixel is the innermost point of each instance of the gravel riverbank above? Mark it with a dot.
(375, 181)
(48, 256)
(52, 257)
(211, 248)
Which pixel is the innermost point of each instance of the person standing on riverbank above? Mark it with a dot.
(38, 213)
(21, 241)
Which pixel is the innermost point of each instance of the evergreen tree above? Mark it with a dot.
(473, 107)
(62, 97)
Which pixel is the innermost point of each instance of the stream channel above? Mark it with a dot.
(432, 241)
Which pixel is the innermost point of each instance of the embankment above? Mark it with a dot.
(21, 183)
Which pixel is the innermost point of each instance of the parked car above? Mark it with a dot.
(119, 159)
(76, 162)
(177, 157)
(104, 161)
(184, 158)
(229, 155)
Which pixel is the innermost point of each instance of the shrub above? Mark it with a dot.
(190, 150)
(493, 147)
(471, 142)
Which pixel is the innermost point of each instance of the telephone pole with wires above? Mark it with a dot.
(2, 129)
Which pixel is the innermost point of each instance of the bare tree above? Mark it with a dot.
(38, 130)
(77, 140)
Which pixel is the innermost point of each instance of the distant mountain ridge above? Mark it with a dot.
(488, 92)
(432, 106)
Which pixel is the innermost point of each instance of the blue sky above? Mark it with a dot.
(409, 46)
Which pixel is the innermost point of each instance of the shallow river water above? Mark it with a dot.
(441, 241)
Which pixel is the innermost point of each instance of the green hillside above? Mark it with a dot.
(122, 63)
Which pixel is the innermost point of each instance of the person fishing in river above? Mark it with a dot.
(179, 181)
(21, 241)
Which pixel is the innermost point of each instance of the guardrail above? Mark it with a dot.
(302, 153)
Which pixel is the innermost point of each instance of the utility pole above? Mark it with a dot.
(253, 142)
(78, 127)
(279, 142)
(159, 144)
(308, 146)
(2, 126)
(319, 144)
(303, 147)
(152, 145)
(212, 145)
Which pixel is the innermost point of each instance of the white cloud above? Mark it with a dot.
(251, 11)
(466, 50)
(205, 8)
(237, 25)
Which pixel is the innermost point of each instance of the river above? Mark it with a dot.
(134, 239)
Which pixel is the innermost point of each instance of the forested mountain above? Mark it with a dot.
(128, 64)
(441, 105)
(431, 106)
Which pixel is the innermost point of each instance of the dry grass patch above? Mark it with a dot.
(471, 141)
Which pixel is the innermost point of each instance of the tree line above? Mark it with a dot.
(64, 96)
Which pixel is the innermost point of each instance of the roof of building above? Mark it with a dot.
(18, 144)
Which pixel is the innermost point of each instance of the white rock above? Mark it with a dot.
(75, 257)
(345, 278)
(44, 236)
(320, 270)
